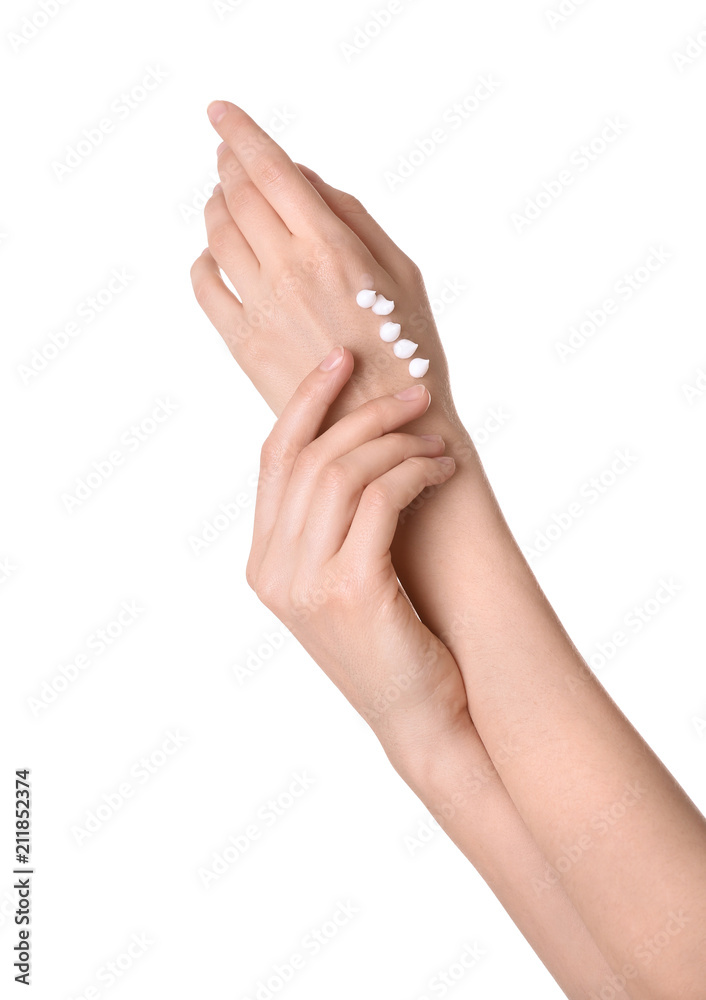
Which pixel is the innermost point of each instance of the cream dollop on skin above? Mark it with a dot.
(405, 348)
(383, 306)
(390, 332)
(418, 367)
(366, 298)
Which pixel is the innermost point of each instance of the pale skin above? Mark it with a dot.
(496, 722)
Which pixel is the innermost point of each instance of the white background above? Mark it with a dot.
(128, 206)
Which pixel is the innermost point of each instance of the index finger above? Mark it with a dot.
(272, 172)
(296, 427)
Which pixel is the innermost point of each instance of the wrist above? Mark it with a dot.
(446, 773)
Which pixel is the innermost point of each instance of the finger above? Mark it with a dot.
(350, 210)
(227, 244)
(216, 300)
(297, 426)
(375, 521)
(272, 172)
(367, 422)
(341, 484)
(252, 213)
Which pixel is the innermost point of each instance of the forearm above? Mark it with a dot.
(577, 759)
(462, 790)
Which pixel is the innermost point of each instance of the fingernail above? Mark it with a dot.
(218, 188)
(216, 110)
(414, 392)
(436, 438)
(446, 462)
(332, 360)
(223, 145)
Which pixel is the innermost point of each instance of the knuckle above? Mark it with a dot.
(323, 260)
(266, 585)
(350, 204)
(333, 477)
(219, 238)
(412, 271)
(289, 283)
(272, 454)
(201, 285)
(307, 463)
(300, 592)
(251, 574)
(376, 498)
(421, 469)
(375, 411)
(269, 171)
(239, 197)
(309, 392)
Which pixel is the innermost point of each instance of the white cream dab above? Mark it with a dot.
(404, 348)
(390, 332)
(383, 306)
(418, 367)
(366, 298)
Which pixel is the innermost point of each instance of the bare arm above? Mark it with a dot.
(278, 240)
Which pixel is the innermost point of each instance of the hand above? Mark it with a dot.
(326, 513)
(297, 267)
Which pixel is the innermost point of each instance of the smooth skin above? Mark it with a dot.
(605, 904)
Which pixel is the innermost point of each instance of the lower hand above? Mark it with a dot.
(326, 514)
